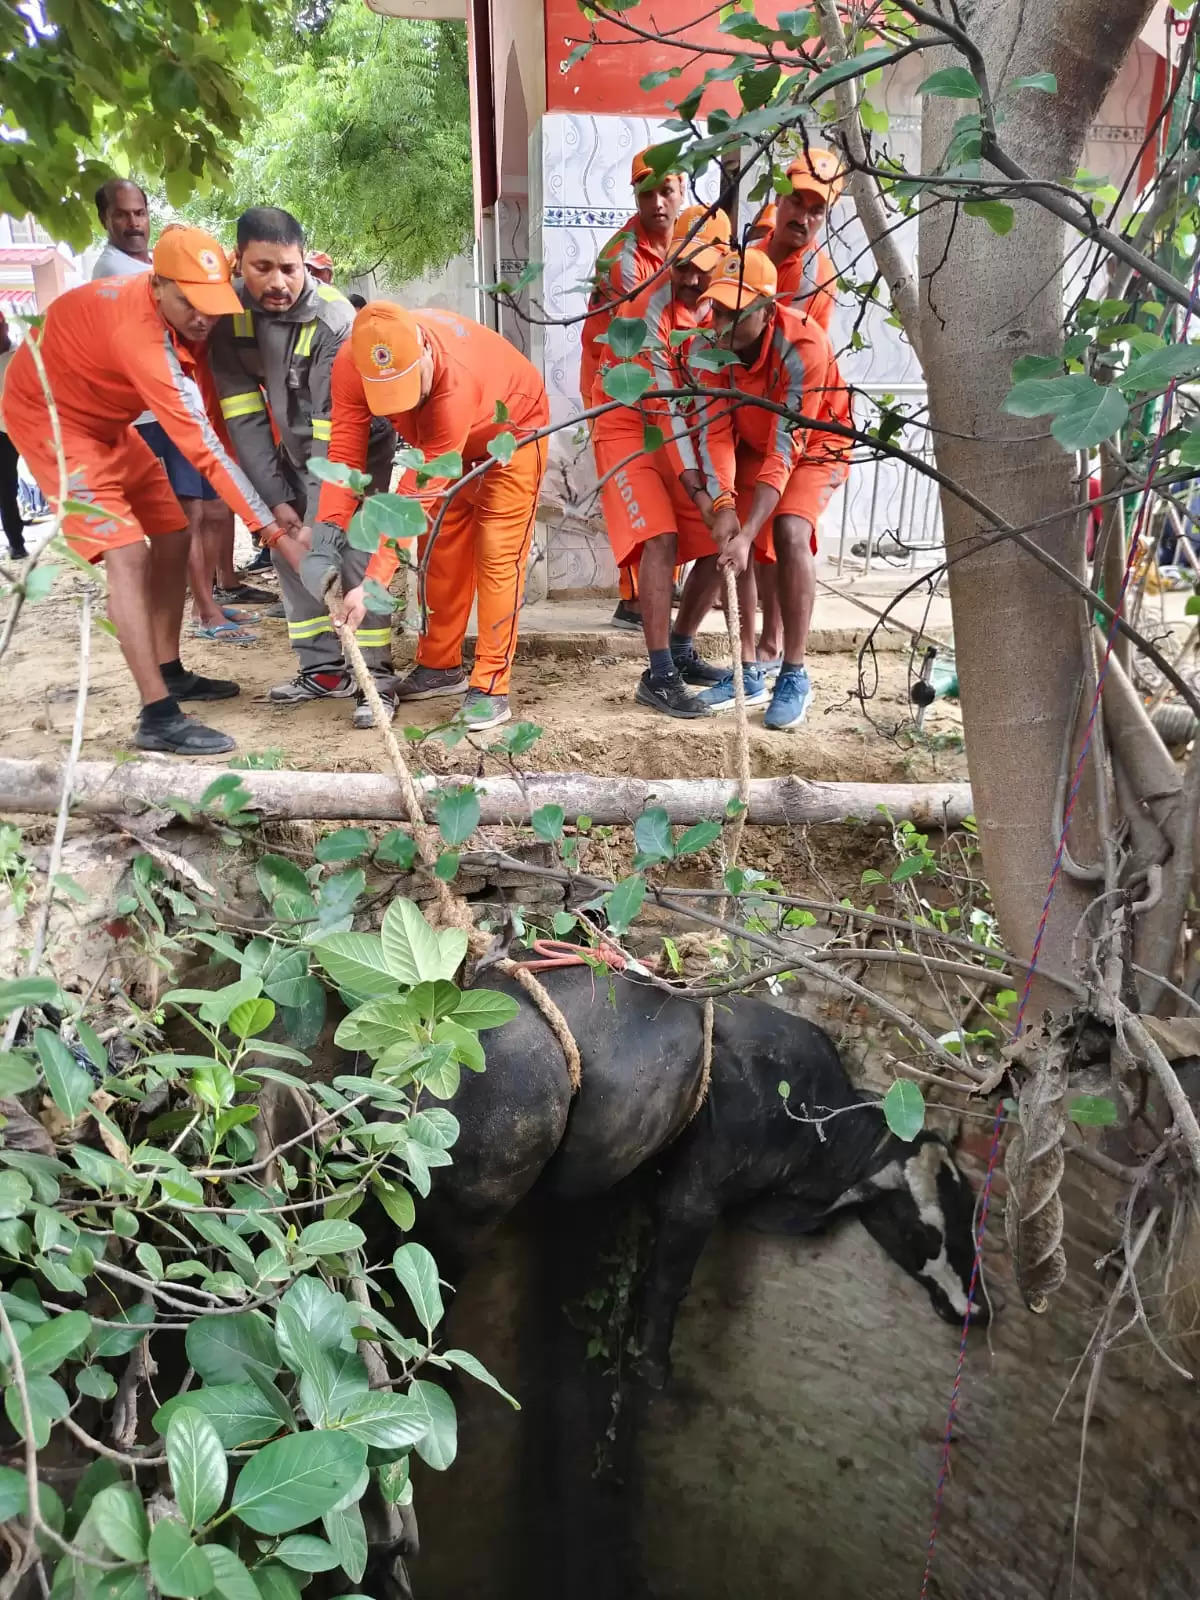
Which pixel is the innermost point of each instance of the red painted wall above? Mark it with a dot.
(607, 79)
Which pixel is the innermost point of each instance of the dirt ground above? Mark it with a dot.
(581, 696)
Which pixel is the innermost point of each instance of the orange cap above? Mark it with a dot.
(318, 258)
(701, 238)
(197, 264)
(641, 169)
(385, 345)
(816, 172)
(764, 222)
(742, 280)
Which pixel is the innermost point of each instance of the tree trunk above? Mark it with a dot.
(101, 789)
(986, 300)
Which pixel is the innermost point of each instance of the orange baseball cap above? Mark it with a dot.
(385, 346)
(701, 238)
(318, 258)
(817, 172)
(641, 169)
(743, 279)
(198, 265)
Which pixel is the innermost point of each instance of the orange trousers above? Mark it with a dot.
(480, 554)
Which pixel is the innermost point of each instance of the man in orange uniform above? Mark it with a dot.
(807, 282)
(113, 349)
(784, 475)
(443, 381)
(651, 521)
(629, 258)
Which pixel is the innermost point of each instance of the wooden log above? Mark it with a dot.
(108, 788)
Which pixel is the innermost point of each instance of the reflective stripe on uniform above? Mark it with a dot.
(321, 428)
(304, 342)
(309, 628)
(243, 325)
(326, 291)
(242, 405)
(370, 638)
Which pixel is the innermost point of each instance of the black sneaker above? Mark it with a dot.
(692, 668)
(364, 717)
(244, 594)
(262, 561)
(181, 735)
(18, 551)
(626, 618)
(668, 695)
(191, 686)
(427, 683)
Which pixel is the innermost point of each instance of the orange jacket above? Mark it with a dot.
(795, 368)
(807, 282)
(629, 258)
(110, 356)
(689, 446)
(473, 370)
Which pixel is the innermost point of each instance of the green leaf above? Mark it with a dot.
(199, 1470)
(952, 83)
(331, 1238)
(120, 1519)
(411, 948)
(178, 1567)
(276, 875)
(627, 383)
(698, 837)
(1093, 1111)
(626, 336)
(997, 215)
(275, 1582)
(393, 516)
(1155, 370)
(439, 1445)
(1040, 396)
(16, 993)
(69, 1085)
(458, 814)
(229, 1349)
(652, 834)
(232, 1579)
(306, 1553)
(622, 904)
(485, 1008)
(386, 1421)
(396, 849)
(904, 1109)
(1192, 608)
(466, 1362)
(395, 1200)
(17, 1074)
(96, 1382)
(502, 447)
(1091, 419)
(240, 1412)
(16, 1193)
(296, 1479)
(465, 1043)
(910, 867)
(1045, 81)
(852, 67)
(417, 1271)
(1036, 367)
(356, 963)
(120, 1341)
(14, 1499)
(338, 895)
(46, 1347)
(251, 1017)
(345, 844)
(348, 1536)
(48, 1403)
(547, 823)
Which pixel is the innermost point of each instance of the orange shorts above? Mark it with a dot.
(123, 479)
(641, 493)
(806, 494)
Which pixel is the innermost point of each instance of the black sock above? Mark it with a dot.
(661, 664)
(160, 710)
(173, 669)
(682, 644)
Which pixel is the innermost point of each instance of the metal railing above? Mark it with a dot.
(888, 514)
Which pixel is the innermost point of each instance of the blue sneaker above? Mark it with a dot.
(771, 669)
(789, 703)
(722, 696)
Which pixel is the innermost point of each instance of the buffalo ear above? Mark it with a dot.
(780, 1214)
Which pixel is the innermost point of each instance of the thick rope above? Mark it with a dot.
(706, 1050)
(452, 911)
(733, 620)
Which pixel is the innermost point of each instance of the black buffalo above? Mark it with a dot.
(740, 1151)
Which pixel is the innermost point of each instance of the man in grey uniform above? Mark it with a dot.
(272, 363)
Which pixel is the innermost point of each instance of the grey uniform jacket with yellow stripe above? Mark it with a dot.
(283, 360)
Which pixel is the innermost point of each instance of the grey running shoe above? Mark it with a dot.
(481, 710)
(332, 682)
(427, 683)
(364, 717)
(669, 695)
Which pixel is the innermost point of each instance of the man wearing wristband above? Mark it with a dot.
(113, 349)
(652, 521)
(786, 469)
